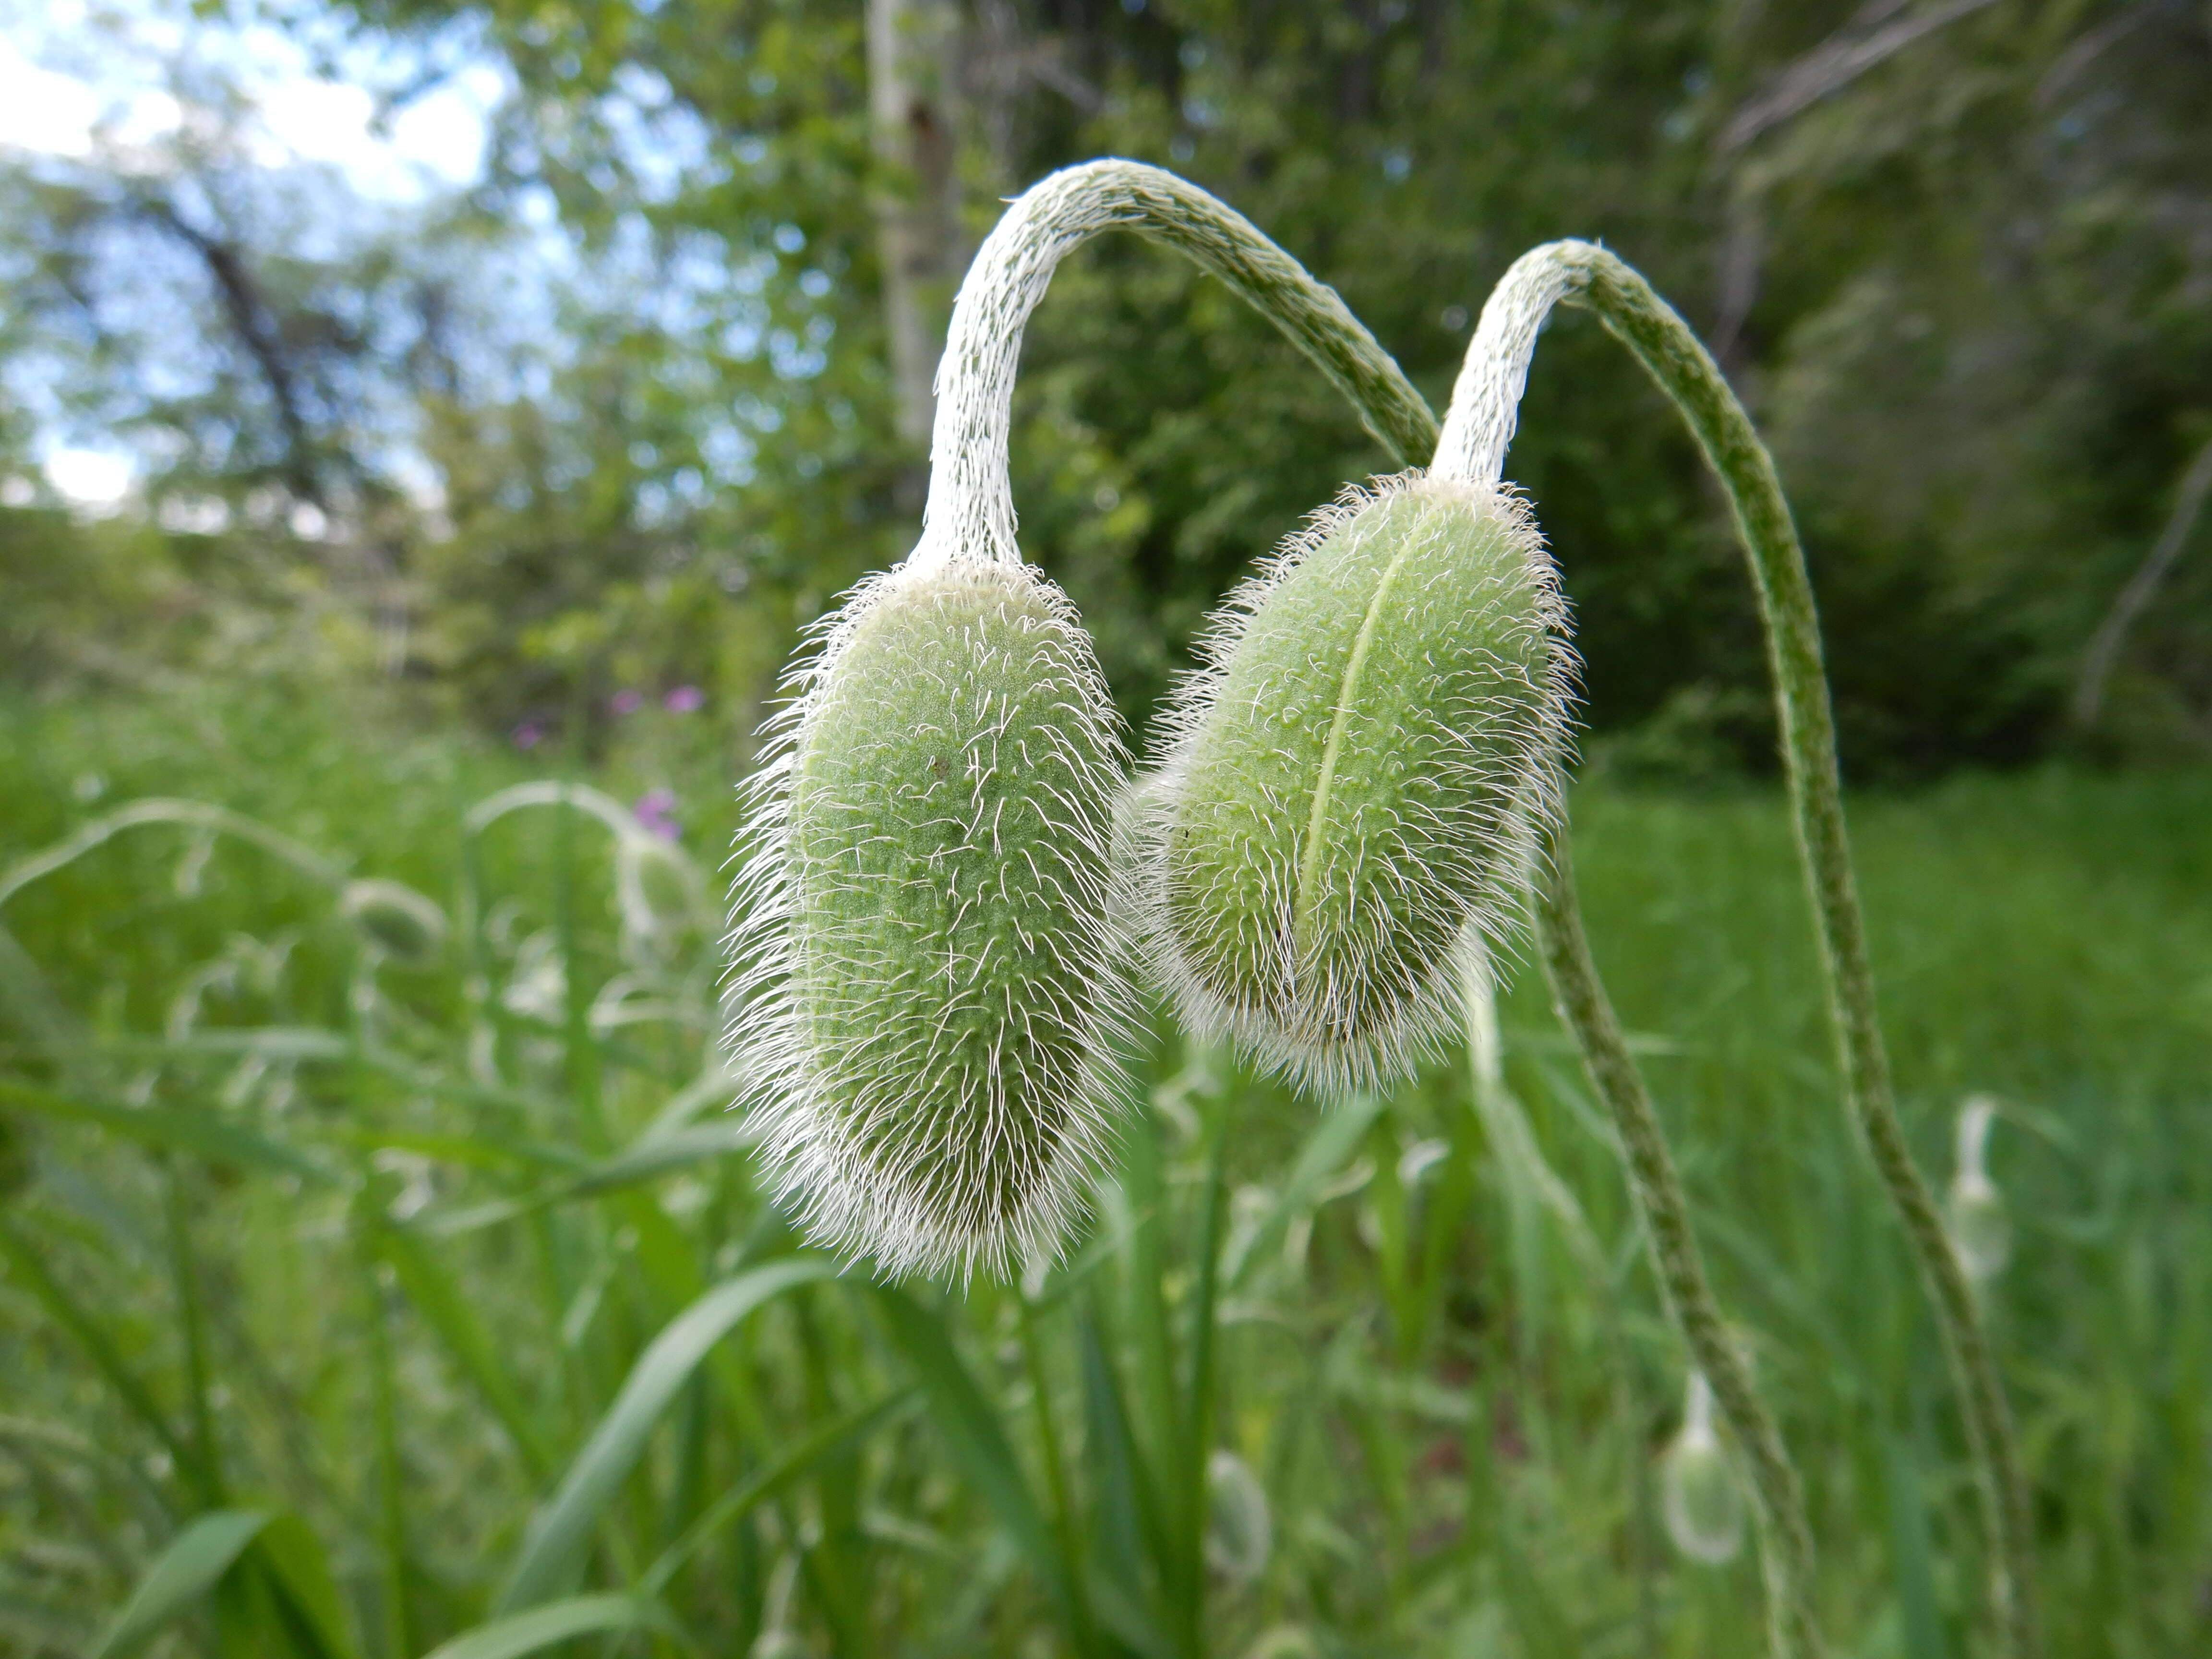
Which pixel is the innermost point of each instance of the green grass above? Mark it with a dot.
(470, 1290)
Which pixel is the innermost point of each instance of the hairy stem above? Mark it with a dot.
(1785, 1538)
(1473, 444)
(970, 511)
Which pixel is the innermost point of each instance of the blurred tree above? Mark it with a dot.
(1955, 251)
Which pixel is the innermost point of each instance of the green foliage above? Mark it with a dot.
(1387, 1309)
(1959, 289)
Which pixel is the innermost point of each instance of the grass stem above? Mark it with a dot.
(1785, 1538)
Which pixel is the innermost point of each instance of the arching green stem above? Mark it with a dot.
(1473, 445)
(968, 507)
(970, 502)
(1472, 450)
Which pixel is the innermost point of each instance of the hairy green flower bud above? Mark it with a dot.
(1700, 1496)
(926, 949)
(1348, 797)
(395, 919)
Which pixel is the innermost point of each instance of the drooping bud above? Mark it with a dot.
(395, 920)
(1974, 1213)
(1698, 1495)
(1351, 788)
(926, 958)
(924, 927)
(657, 890)
(1239, 1533)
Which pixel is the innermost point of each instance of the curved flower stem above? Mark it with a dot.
(1472, 450)
(1785, 1538)
(195, 814)
(970, 511)
(1475, 436)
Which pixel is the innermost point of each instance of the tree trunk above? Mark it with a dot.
(914, 85)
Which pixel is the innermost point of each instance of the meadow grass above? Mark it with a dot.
(455, 1271)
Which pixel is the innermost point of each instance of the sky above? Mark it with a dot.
(78, 79)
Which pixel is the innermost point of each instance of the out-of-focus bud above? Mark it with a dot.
(1699, 1495)
(395, 920)
(658, 890)
(1239, 1533)
(1974, 1212)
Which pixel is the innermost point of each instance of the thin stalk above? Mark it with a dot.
(1480, 426)
(1204, 1294)
(1532, 1183)
(1197, 1397)
(1055, 1477)
(192, 1321)
(384, 1429)
(197, 814)
(1785, 1538)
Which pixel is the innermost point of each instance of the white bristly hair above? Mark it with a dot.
(832, 1141)
(817, 1121)
(1316, 1027)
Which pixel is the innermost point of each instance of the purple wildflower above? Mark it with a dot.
(627, 701)
(528, 735)
(655, 812)
(684, 700)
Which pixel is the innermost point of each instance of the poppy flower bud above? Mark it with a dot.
(395, 920)
(928, 922)
(1974, 1213)
(1352, 786)
(1698, 1496)
(928, 952)
(657, 888)
(1239, 1532)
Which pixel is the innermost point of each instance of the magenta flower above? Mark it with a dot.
(655, 812)
(528, 735)
(627, 701)
(684, 700)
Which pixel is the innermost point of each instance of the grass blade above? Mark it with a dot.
(1921, 1625)
(561, 1621)
(831, 1439)
(443, 1307)
(309, 1594)
(196, 1560)
(24, 1260)
(552, 1551)
(648, 1157)
(1342, 1127)
(977, 1439)
(1126, 1527)
(196, 1132)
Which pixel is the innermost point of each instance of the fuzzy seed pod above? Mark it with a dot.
(1350, 792)
(922, 928)
(395, 920)
(1698, 1495)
